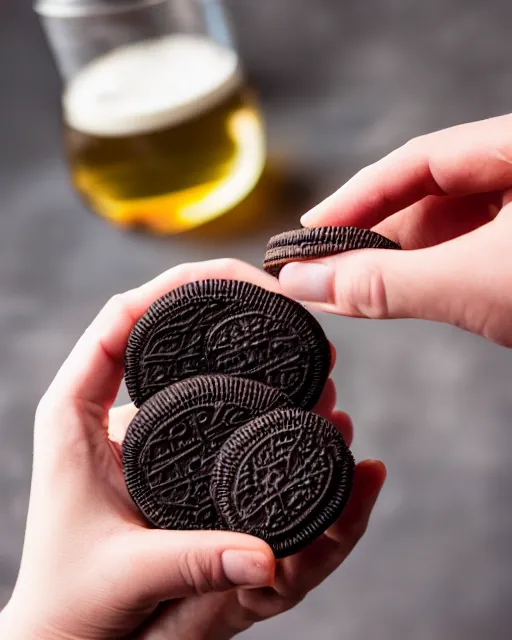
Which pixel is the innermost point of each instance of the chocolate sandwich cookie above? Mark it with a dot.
(171, 445)
(228, 327)
(285, 477)
(308, 244)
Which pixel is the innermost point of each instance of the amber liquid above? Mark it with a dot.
(176, 178)
(163, 134)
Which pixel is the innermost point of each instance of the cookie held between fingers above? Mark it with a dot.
(319, 242)
(284, 477)
(228, 327)
(171, 445)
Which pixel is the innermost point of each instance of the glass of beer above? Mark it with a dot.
(161, 130)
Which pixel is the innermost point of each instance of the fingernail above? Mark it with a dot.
(307, 217)
(247, 568)
(309, 282)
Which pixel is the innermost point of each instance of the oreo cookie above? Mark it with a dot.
(228, 327)
(308, 244)
(285, 477)
(171, 445)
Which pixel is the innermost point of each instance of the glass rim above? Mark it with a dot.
(73, 9)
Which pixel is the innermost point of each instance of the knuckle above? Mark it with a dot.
(491, 327)
(200, 572)
(258, 605)
(356, 531)
(503, 153)
(417, 142)
(49, 406)
(366, 294)
(116, 302)
(219, 267)
(262, 604)
(184, 268)
(294, 595)
(119, 305)
(43, 409)
(227, 265)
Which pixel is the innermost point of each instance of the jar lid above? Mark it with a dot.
(72, 8)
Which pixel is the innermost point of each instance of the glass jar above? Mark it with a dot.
(161, 129)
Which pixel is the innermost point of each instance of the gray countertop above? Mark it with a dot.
(342, 83)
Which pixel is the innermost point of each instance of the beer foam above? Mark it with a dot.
(150, 85)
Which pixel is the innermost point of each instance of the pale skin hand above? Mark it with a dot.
(446, 197)
(91, 569)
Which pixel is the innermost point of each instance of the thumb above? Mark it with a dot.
(176, 564)
(438, 283)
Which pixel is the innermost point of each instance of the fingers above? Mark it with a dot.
(176, 564)
(333, 357)
(467, 159)
(305, 571)
(434, 220)
(452, 282)
(93, 371)
(343, 422)
(299, 574)
(369, 479)
(325, 406)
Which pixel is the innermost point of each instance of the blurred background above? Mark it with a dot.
(341, 84)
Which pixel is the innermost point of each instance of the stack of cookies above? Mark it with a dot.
(225, 375)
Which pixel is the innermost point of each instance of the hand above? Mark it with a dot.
(446, 197)
(91, 569)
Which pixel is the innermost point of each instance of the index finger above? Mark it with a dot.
(462, 160)
(94, 370)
